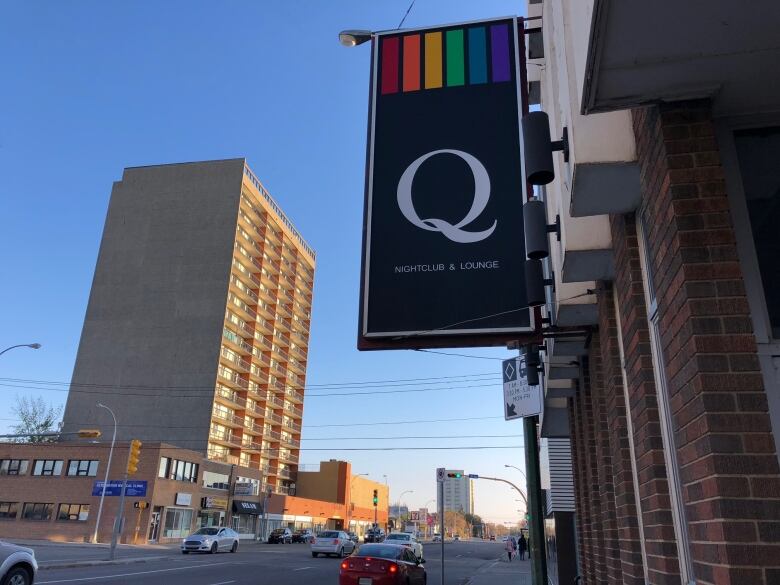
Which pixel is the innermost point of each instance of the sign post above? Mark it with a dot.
(440, 495)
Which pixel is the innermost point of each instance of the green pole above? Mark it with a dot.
(536, 552)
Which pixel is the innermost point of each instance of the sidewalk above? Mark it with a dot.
(60, 555)
(502, 572)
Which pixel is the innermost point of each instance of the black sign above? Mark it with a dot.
(443, 246)
(244, 507)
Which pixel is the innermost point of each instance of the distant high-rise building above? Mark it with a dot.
(458, 493)
(197, 328)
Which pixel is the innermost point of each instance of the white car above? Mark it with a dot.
(332, 542)
(407, 540)
(17, 564)
(211, 539)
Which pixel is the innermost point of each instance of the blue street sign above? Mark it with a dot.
(473, 476)
(134, 489)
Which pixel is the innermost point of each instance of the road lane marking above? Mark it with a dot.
(224, 582)
(81, 579)
(302, 568)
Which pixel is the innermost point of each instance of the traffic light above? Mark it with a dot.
(455, 475)
(134, 456)
(376, 498)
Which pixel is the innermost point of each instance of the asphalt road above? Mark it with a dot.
(277, 564)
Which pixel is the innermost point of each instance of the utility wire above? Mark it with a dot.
(327, 449)
(408, 10)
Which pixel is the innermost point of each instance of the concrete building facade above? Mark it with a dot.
(667, 264)
(458, 493)
(197, 328)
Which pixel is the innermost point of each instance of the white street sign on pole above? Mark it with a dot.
(520, 399)
(440, 474)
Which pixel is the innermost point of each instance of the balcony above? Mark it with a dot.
(226, 439)
(273, 417)
(253, 429)
(284, 309)
(229, 397)
(291, 410)
(226, 419)
(290, 253)
(289, 457)
(250, 446)
(290, 442)
(239, 325)
(264, 325)
(234, 361)
(248, 241)
(293, 395)
(264, 360)
(243, 290)
(268, 278)
(292, 425)
(235, 342)
(286, 281)
(299, 352)
(300, 338)
(265, 310)
(258, 391)
(241, 307)
(226, 377)
(215, 455)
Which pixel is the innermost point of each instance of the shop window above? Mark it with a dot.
(8, 510)
(47, 467)
(216, 481)
(178, 522)
(82, 467)
(35, 511)
(73, 512)
(13, 466)
(758, 151)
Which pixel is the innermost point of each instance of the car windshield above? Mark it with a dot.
(207, 531)
(398, 537)
(380, 551)
(329, 534)
(279, 531)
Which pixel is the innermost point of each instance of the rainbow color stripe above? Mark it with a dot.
(450, 58)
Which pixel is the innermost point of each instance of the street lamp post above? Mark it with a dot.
(105, 480)
(426, 518)
(518, 469)
(30, 345)
(400, 502)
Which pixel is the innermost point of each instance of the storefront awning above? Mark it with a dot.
(244, 507)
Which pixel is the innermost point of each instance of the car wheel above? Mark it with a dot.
(234, 548)
(315, 555)
(341, 553)
(214, 548)
(18, 576)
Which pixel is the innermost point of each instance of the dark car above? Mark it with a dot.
(281, 535)
(353, 537)
(303, 536)
(374, 535)
(382, 564)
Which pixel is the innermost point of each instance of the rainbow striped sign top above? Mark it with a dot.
(452, 57)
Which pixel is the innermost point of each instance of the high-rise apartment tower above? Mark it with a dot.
(197, 328)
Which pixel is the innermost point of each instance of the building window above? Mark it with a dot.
(37, 511)
(8, 509)
(178, 522)
(83, 467)
(13, 466)
(47, 467)
(73, 512)
(178, 470)
(216, 481)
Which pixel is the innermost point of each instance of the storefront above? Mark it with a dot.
(245, 518)
(212, 511)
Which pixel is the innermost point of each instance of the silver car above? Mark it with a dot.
(211, 539)
(332, 542)
(17, 564)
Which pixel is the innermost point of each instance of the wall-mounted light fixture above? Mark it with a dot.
(535, 283)
(536, 229)
(538, 148)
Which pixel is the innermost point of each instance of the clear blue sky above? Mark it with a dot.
(92, 87)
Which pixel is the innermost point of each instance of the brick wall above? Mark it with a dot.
(725, 449)
(653, 489)
(627, 525)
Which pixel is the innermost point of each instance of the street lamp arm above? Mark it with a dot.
(522, 494)
(30, 345)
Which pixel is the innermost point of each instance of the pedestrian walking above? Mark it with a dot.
(509, 547)
(522, 546)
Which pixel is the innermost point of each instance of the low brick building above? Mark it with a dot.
(52, 491)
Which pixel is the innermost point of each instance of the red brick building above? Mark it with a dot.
(52, 491)
(668, 266)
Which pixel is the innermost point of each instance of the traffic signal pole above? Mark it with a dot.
(132, 466)
(536, 548)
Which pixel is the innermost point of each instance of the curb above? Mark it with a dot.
(98, 563)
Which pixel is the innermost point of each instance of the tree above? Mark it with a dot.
(35, 418)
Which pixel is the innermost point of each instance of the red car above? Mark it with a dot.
(382, 564)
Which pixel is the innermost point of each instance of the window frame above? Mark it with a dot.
(6, 514)
(53, 472)
(19, 470)
(46, 506)
(78, 463)
(80, 507)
